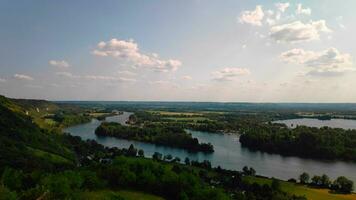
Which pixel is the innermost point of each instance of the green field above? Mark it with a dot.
(186, 118)
(125, 194)
(302, 190)
(54, 158)
(189, 114)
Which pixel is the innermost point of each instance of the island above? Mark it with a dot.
(312, 142)
(161, 134)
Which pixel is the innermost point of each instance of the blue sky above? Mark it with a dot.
(259, 51)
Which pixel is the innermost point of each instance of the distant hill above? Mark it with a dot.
(218, 106)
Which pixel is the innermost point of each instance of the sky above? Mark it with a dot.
(197, 50)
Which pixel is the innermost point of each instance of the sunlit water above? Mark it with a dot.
(228, 154)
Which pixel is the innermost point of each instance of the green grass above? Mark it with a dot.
(50, 122)
(186, 118)
(54, 158)
(302, 190)
(175, 113)
(126, 194)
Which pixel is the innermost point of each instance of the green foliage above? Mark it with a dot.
(304, 178)
(12, 179)
(155, 177)
(343, 185)
(325, 143)
(161, 134)
(6, 194)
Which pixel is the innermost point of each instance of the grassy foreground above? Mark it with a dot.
(125, 194)
(302, 190)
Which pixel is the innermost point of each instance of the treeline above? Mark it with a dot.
(322, 143)
(162, 134)
(339, 185)
(214, 122)
(124, 173)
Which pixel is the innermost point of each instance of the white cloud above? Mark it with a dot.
(253, 17)
(186, 77)
(282, 6)
(126, 73)
(270, 21)
(129, 53)
(302, 11)
(59, 63)
(164, 84)
(23, 77)
(270, 12)
(228, 74)
(109, 78)
(2, 80)
(34, 86)
(327, 62)
(298, 31)
(67, 75)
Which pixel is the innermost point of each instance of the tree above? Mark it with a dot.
(176, 159)
(304, 178)
(343, 185)
(12, 179)
(157, 156)
(246, 170)
(58, 186)
(168, 157)
(141, 153)
(325, 181)
(132, 151)
(316, 181)
(187, 161)
(252, 171)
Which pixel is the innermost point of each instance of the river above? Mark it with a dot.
(228, 153)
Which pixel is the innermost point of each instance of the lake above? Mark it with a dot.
(333, 123)
(228, 153)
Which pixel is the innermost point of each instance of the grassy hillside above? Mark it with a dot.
(22, 139)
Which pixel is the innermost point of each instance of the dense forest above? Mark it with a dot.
(161, 134)
(323, 143)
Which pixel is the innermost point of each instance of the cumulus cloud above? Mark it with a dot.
(282, 6)
(302, 11)
(253, 17)
(326, 62)
(298, 31)
(23, 77)
(129, 53)
(59, 63)
(186, 77)
(228, 74)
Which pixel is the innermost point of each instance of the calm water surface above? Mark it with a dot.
(228, 154)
